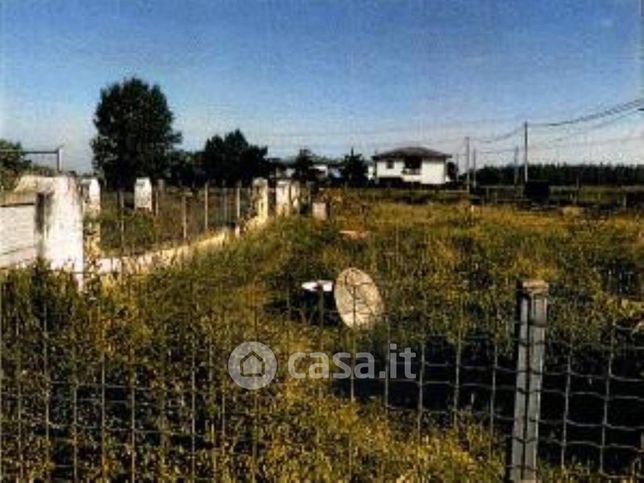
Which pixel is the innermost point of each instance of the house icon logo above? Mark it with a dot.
(252, 365)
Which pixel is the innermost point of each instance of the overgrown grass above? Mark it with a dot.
(442, 270)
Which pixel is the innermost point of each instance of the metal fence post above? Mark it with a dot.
(121, 208)
(205, 207)
(532, 306)
(224, 204)
(238, 201)
(184, 216)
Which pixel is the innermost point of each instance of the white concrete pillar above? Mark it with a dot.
(294, 196)
(91, 202)
(91, 196)
(282, 198)
(143, 194)
(260, 199)
(59, 220)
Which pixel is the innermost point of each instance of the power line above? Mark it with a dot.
(594, 127)
(633, 105)
(500, 137)
(606, 112)
(629, 107)
(547, 146)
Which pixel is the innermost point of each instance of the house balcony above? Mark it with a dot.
(411, 171)
(411, 175)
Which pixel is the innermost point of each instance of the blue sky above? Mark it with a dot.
(329, 74)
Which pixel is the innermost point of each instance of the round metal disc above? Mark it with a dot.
(357, 299)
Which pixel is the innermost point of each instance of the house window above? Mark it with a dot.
(390, 164)
(412, 166)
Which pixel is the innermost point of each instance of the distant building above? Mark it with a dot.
(323, 169)
(327, 169)
(411, 165)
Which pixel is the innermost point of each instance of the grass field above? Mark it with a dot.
(162, 341)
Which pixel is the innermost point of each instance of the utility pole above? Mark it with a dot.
(516, 165)
(525, 152)
(467, 163)
(474, 168)
(59, 159)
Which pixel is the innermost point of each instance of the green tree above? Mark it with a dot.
(354, 169)
(232, 158)
(135, 135)
(186, 169)
(12, 163)
(303, 166)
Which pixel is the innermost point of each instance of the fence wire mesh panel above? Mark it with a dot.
(176, 216)
(128, 378)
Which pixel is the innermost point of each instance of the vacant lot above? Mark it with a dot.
(129, 378)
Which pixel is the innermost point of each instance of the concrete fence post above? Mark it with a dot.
(532, 315)
(260, 200)
(295, 195)
(143, 194)
(282, 198)
(91, 203)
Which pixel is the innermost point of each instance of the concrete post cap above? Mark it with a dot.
(533, 286)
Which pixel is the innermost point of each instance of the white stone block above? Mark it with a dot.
(143, 194)
(59, 220)
(320, 210)
(282, 198)
(260, 199)
(91, 196)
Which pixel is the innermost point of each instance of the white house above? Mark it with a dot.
(411, 165)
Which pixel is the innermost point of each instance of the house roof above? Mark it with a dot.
(411, 151)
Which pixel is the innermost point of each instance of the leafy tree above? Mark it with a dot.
(354, 169)
(303, 166)
(135, 135)
(232, 158)
(12, 163)
(186, 169)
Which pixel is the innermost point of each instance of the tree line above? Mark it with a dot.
(135, 137)
(564, 174)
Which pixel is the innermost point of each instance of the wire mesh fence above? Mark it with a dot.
(128, 379)
(176, 216)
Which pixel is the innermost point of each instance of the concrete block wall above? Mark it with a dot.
(59, 220)
(18, 229)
